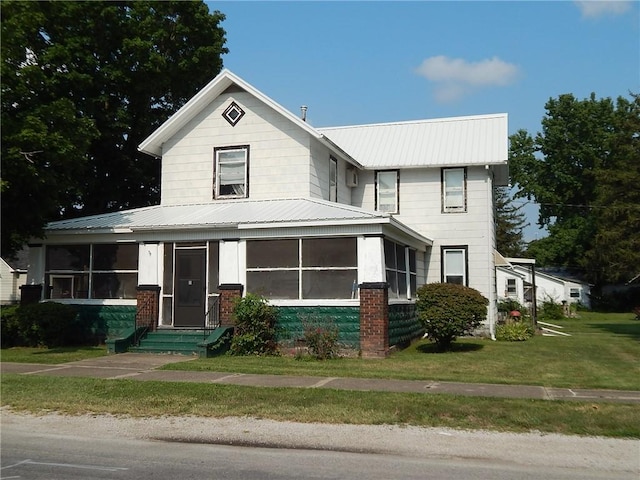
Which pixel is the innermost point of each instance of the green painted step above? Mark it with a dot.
(171, 341)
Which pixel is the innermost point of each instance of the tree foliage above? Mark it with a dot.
(447, 311)
(583, 169)
(510, 220)
(83, 83)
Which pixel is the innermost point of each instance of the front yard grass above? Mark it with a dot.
(602, 352)
(75, 396)
(50, 356)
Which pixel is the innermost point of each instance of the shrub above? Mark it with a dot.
(550, 311)
(9, 334)
(447, 311)
(255, 327)
(514, 332)
(321, 338)
(47, 324)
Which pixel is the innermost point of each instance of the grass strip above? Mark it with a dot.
(77, 396)
(51, 356)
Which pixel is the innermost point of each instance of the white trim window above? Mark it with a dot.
(387, 191)
(401, 270)
(511, 288)
(333, 179)
(454, 190)
(307, 268)
(231, 172)
(97, 271)
(454, 265)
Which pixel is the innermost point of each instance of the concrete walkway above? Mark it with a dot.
(137, 366)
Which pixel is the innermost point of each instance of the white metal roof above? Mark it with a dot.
(455, 141)
(152, 145)
(230, 214)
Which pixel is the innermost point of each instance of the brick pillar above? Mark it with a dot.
(228, 293)
(374, 319)
(30, 294)
(148, 304)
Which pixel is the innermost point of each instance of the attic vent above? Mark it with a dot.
(233, 114)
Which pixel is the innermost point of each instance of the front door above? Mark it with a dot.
(190, 287)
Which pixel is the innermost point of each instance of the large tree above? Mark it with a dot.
(83, 83)
(510, 221)
(584, 171)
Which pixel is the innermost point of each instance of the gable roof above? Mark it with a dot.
(152, 145)
(442, 142)
(238, 214)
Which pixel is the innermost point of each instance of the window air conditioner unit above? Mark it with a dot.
(352, 177)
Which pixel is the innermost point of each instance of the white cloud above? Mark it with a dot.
(456, 77)
(599, 8)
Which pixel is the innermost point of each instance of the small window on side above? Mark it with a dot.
(387, 191)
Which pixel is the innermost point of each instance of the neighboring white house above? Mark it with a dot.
(515, 281)
(255, 199)
(13, 274)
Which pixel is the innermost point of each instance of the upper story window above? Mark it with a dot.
(333, 179)
(454, 265)
(454, 190)
(387, 191)
(231, 173)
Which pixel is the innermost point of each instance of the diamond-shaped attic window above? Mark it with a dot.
(233, 114)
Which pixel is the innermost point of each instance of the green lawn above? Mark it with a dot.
(50, 356)
(73, 395)
(602, 352)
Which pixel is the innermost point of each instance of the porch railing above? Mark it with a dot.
(212, 317)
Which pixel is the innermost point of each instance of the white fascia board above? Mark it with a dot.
(312, 223)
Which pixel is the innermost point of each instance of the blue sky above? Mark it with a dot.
(370, 62)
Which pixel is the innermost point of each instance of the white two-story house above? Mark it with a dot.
(340, 223)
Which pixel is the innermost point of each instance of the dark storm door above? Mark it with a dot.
(190, 288)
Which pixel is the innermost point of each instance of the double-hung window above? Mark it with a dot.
(387, 191)
(231, 172)
(454, 190)
(511, 288)
(333, 179)
(454, 265)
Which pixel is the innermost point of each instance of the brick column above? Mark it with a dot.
(30, 294)
(148, 304)
(374, 319)
(228, 293)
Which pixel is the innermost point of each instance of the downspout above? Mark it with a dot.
(491, 233)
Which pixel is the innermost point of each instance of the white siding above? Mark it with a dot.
(279, 159)
(10, 283)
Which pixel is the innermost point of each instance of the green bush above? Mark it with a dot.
(514, 332)
(255, 327)
(321, 338)
(48, 324)
(9, 334)
(447, 311)
(550, 311)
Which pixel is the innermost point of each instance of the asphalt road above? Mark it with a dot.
(102, 447)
